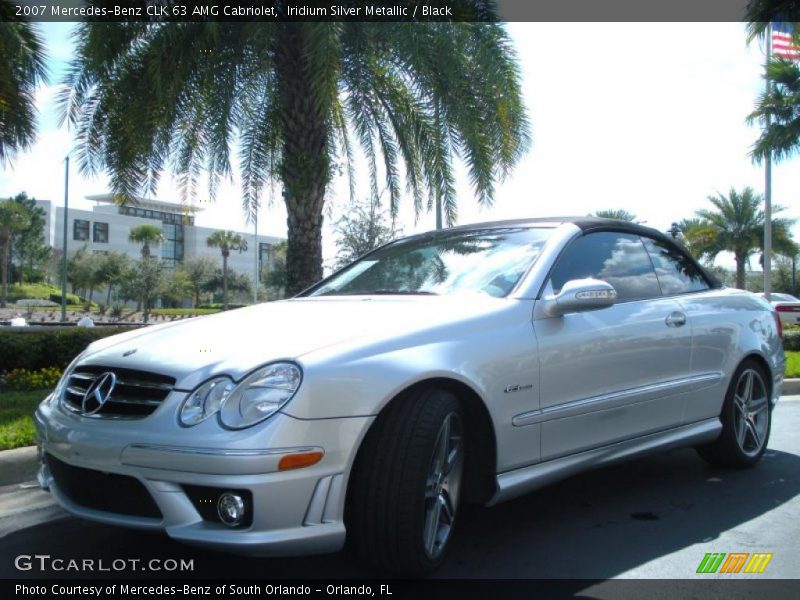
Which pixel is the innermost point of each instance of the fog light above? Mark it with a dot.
(230, 508)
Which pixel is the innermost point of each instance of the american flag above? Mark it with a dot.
(782, 46)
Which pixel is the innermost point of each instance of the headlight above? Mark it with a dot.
(260, 395)
(205, 400)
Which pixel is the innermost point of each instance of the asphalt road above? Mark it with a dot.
(655, 517)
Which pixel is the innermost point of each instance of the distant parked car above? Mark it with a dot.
(788, 308)
(469, 364)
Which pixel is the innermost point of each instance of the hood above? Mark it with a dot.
(237, 341)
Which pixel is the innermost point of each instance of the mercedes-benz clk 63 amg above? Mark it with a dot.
(472, 364)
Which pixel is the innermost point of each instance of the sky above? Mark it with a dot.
(647, 117)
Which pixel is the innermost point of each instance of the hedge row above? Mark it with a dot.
(791, 339)
(33, 349)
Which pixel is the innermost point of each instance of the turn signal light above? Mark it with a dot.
(299, 460)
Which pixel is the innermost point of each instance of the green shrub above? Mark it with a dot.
(71, 298)
(791, 339)
(177, 312)
(218, 305)
(25, 380)
(34, 349)
(39, 291)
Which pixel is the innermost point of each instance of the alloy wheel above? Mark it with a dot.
(751, 412)
(443, 485)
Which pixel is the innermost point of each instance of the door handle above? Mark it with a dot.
(675, 319)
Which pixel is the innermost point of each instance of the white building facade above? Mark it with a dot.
(106, 227)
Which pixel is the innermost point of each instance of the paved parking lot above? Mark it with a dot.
(652, 518)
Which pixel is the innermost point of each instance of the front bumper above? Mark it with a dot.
(293, 512)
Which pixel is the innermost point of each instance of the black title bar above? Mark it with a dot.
(163, 11)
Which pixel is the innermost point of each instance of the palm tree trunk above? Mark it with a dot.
(5, 274)
(224, 281)
(740, 277)
(108, 295)
(305, 168)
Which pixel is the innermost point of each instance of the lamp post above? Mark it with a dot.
(256, 252)
(64, 249)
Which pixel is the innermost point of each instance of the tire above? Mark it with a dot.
(746, 420)
(406, 484)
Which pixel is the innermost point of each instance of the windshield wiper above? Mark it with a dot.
(384, 293)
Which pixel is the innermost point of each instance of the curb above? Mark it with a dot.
(791, 387)
(18, 465)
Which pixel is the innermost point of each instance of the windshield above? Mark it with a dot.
(490, 260)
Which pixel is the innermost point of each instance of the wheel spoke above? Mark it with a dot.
(447, 508)
(432, 526)
(441, 448)
(748, 387)
(753, 431)
(453, 456)
(741, 430)
(740, 403)
(431, 487)
(756, 406)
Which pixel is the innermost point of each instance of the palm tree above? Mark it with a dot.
(293, 97)
(22, 70)
(616, 213)
(737, 226)
(13, 219)
(780, 107)
(146, 235)
(760, 13)
(225, 241)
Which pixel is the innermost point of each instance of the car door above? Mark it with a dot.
(615, 373)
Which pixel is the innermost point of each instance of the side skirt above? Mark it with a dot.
(521, 481)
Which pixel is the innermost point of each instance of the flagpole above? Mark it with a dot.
(768, 184)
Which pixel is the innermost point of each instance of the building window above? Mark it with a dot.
(165, 217)
(265, 254)
(100, 234)
(80, 230)
(172, 246)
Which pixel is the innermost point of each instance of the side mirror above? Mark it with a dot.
(579, 295)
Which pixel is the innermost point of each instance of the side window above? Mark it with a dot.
(676, 273)
(617, 258)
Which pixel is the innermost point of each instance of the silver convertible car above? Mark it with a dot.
(472, 364)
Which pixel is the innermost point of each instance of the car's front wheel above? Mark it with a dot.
(746, 420)
(406, 483)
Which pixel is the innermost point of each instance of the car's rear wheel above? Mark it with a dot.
(406, 483)
(746, 420)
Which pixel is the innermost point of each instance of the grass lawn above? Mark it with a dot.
(792, 364)
(16, 422)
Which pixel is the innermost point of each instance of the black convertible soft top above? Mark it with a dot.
(586, 224)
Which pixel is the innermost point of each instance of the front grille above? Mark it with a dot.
(102, 491)
(135, 394)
